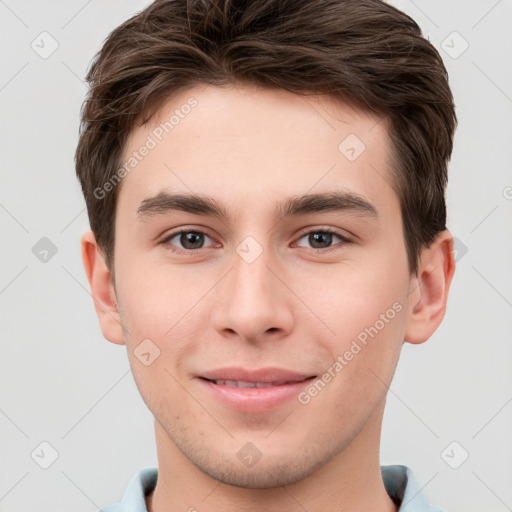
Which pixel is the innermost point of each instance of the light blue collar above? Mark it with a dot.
(399, 482)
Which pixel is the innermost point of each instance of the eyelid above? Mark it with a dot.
(323, 229)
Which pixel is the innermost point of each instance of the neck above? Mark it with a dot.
(350, 481)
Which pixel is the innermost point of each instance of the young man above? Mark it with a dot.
(265, 186)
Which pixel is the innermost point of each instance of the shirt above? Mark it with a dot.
(399, 482)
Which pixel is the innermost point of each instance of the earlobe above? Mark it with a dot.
(102, 289)
(429, 289)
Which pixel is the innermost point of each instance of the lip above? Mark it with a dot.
(270, 374)
(255, 400)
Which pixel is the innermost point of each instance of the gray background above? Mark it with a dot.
(62, 383)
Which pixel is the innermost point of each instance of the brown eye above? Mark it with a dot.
(323, 239)
(188, 240)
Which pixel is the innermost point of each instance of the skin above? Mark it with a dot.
(297, 306)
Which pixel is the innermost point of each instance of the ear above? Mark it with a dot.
(102, 289)
(429, 289)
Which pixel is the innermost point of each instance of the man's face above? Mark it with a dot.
(262, 295)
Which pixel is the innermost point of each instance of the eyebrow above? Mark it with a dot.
(334, 201)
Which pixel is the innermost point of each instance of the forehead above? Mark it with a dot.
(246, 146)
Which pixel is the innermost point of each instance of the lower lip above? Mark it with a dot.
(254, 399)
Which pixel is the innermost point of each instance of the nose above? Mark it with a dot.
(253, 302)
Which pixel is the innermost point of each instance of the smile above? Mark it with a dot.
(245, 384)
(253, 391)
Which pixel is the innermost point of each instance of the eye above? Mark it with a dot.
(189, 239)
(322, 238)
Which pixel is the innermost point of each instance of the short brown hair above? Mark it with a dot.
(365, 51)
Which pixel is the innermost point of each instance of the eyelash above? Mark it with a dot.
(166, 240)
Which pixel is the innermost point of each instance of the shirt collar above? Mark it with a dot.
(399, 482)
(404, 490)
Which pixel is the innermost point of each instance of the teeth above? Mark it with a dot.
(243, 384)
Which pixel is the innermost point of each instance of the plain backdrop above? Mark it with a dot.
(68, 400)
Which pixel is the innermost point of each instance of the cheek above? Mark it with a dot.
(348, 299)
(168, 307)
(362, 357)
(156, 299)
(366, 314)
(161, 325)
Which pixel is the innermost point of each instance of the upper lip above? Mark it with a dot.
(270, 374)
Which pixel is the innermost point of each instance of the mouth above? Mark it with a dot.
(247, 384)
(253, 391)
(269, 375)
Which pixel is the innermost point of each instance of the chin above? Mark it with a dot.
(268, 471)
(264, 475)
